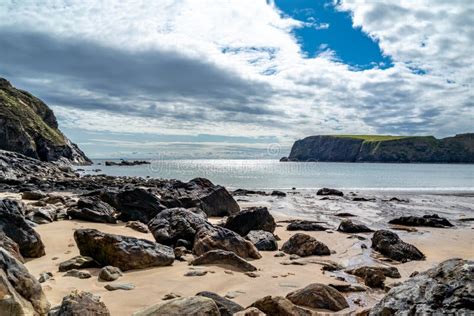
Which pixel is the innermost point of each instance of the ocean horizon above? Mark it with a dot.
(272, 174)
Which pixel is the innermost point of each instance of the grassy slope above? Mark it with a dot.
(374, 138)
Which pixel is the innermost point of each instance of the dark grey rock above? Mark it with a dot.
(426, 220)
(254, 218)
(226, 306)
(262, 240)
(348, 226)
(304, 245)
(225, 258)
(391, 246)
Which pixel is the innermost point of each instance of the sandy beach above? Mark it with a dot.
(275, 276)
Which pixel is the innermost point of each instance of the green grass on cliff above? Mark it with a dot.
(373, 138)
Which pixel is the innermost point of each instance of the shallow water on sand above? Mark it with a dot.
(272, 174)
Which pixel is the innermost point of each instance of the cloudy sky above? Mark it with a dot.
(240, 78)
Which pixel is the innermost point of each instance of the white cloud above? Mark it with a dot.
(270, 88)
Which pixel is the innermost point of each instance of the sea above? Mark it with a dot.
(266, 174)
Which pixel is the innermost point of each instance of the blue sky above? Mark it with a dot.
(330, 29)
(241, 78)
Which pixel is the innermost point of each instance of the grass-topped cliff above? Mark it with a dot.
(28, 126)
(384, 148)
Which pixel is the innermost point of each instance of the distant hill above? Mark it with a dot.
(384, 148)
(28, 126)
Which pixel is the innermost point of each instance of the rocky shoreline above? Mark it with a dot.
(105, 245)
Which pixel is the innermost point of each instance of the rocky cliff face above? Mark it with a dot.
(457, 149)
(28, 126)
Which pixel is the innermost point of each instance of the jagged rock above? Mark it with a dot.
(279, 306)
(347, 226)
(78, 274)
(82, 303)
(137, 204)
(319, 296)
(226, 307)
(305, 226)
(190, 306)
(138, 226)
(28, 126)
(13, 225)
(119, 286)
(262, 240)
(214, 200)
(304, 245)
(20, 292)
(92, 209)
(9, 245)
(427, 220)
(391, 272)
(445, 290)
(78, 262)
(42, 216)
(33, 195)
(174, 224)
(109, 273)
(254, 218)
(327, 191)
(391, 246)
(125, 253)
(216, 237)
(225, 258)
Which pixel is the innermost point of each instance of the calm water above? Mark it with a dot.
(271, 174)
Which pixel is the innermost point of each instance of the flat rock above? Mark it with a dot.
(262, 240)
(189, 306)
(78, 262)
(79, 303)
(78, 274)
(20, 292)
(391, 246)
(137, 226)
(254, 218)
(305, 225)
(319, 296)
(226, 307)
(328, 191)
(33, 195)
(119, 286)
(125, 253)
(14, 225)
(426, 220)
(225, 258)
(216, 237)
(443, 290)
(391, 272)
(304, 245)
(193, 273)
(348, 226)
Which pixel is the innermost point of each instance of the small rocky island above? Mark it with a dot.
(383, 148)
(74, 244)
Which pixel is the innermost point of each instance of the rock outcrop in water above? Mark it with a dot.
(28, 126)
(457, 149)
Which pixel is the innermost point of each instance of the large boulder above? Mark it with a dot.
(174, 224)
(390, 245)
(20, 292)
(446, 289)
(254, 218)
(137, 204)
(125, 253)
(348, 226)
(279, 306)
(215, 237)
(214, 200)
(81, 303)
(319, 296)
(92, 209)
(11, 246)
(328, 191)
(426, 220)
(223, 257)
(262, 240)
(13, 225)
(226, 306)
(304, 245)
(189, 306)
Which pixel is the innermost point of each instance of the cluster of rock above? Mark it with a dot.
(127, 163)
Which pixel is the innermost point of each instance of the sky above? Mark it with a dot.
(240, 78)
